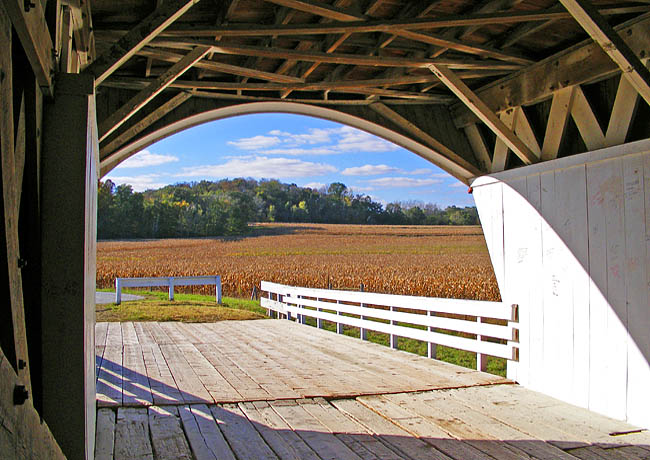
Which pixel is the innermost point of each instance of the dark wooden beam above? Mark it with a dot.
(117, 118)
(34, 35)
(219, 67)
(336, 58)
(251, 30)
(141, 125)
(138, 37)
(611, 42)
(321, 9)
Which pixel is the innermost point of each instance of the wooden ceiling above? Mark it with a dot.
(326, 52)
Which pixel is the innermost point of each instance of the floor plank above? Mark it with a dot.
(244, 440)
(105, 438)
(167, 436)
(132, 434)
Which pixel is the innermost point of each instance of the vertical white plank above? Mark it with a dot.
(597, 177)
(516, 239)
(570, 192)
(616, 370)
(489, 203)
(535, 300)
(637, 199)
(558, 314)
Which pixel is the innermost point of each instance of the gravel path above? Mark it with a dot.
(109, 297)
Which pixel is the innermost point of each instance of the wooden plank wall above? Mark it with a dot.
(570, 243)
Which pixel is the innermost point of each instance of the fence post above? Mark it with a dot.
(363, 332)
(218, 288)
(288, 315)
(481, 359)
(432, 347)
(339, 326)
(171, 288)
(118, 291)
(393, 337)
(319, 322)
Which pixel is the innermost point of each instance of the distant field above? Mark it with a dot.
(435, 261)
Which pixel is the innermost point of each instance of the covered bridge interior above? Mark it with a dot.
(543, 107)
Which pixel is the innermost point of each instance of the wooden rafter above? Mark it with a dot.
(319, 8)
(141, 125)
(388, 26)
(137, 38)
(484, 113)
(561, 107)
(612, 43)
(31, 27)
(477, 142)
(219, 67)
(336, 58)
(117, 118)
(428, 140)
(10, 200)
(583, 63)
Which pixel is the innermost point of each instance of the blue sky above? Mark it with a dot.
(296, 149)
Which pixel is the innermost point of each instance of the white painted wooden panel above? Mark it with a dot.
(597, 176)
(516, 220)
(572, 230)
(574, 253)
(637, 231)
(535, 304)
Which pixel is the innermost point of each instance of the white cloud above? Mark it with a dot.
(397, 182)
(315, 141)
(458, 185)
(315, 185)
(357, 189)
(255, 142)
(260, 167)
(370, 170)
(146, 158)
(417, 172)
(139, 183)
(301, 151)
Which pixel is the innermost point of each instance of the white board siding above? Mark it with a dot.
(573, 252)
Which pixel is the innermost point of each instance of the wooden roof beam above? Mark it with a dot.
(335, 58)
(117, 118)
(321, 9)
(428, 140)
(611, 42)
(137, 38)
(584, 62)
(220, 67)
(141, 125)
(31, 27)
(389, 26)
(484, 113)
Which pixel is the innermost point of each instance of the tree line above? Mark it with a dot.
(227, 206)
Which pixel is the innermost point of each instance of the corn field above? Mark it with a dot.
(433, 261)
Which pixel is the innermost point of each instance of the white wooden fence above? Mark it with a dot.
(359, 309)
(169, 281)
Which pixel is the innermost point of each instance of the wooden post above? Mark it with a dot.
(481, 359)
(171, 288)
(339, 326)
(118, 291)
(363, 333)
(393, 337)
(319, 322)
(70, 160)
(431, 347)
(218, 288)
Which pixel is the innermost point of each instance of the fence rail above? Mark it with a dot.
(360, 309)
(169, 281)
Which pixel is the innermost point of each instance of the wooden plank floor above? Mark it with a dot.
(273, 389)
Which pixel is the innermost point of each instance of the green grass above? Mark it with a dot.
(201, 308)
(186, 307)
